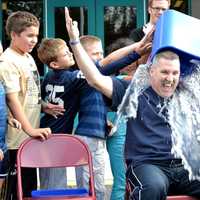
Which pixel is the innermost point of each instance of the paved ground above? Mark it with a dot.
(108, 177)
(108, 191)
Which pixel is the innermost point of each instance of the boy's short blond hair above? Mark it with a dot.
(19, 21)
(87, 40)
(49, 48)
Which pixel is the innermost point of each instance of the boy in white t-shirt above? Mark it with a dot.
(20, 78)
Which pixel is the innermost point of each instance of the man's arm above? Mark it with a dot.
(141, 47)
(117, 65)
(18, 113)
(86, 65)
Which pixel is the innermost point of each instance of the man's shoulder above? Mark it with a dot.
(119, 86)
(137, 34)
(122, 80)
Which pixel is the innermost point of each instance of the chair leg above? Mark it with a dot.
(11, 183)
(127, 193)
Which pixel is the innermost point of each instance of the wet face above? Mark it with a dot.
(95, 51)
(64, 60)
(26, 40)
(164, 76)
(156, 9)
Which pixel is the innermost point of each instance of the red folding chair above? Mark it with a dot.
(180, 198)
(60, 150)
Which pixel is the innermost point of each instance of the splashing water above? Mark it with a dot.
(128, 107)
(184, 119)
(183, 115)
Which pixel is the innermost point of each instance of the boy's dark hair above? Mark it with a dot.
(19, 21)
(49, 48)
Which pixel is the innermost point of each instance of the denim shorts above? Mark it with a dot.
(4, 165)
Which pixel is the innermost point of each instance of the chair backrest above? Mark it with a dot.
(60, 150)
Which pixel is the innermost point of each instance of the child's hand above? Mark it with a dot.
(145, 44)
(41, 133)
(72, 26)
(1, 155)
(14, 123)
(54, 110)
(109, 127)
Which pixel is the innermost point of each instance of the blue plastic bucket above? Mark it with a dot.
(178, 32)
(59, 192)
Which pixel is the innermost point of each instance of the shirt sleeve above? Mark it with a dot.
(10, 77)
(119, 89)
(119, 64)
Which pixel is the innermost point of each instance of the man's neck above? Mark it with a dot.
(147, 27)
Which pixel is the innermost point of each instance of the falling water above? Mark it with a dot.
(128, 107)
(184, 118)
(184, 115)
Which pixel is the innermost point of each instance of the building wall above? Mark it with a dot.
(195, 8)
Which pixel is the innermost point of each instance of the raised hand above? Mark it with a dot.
(72, 26)
(149, 36)
(145, 43)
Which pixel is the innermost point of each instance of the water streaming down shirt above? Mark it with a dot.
(184, 106)
(183, 115)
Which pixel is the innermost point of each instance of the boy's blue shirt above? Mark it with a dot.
(62, 87)
(70, 89)
(3, 118)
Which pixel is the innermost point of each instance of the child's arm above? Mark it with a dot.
(141, 47)
(117, 65)
(17, 111)
(87, 66)
(1, 155)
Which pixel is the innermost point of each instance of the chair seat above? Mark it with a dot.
(60, 198)
(68, 192)
(180, 198)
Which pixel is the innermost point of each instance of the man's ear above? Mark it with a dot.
(12, 34)
(150, 69)
(149, 10)
(53, 65)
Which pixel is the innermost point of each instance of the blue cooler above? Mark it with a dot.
(60, 192)
(180, 33)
